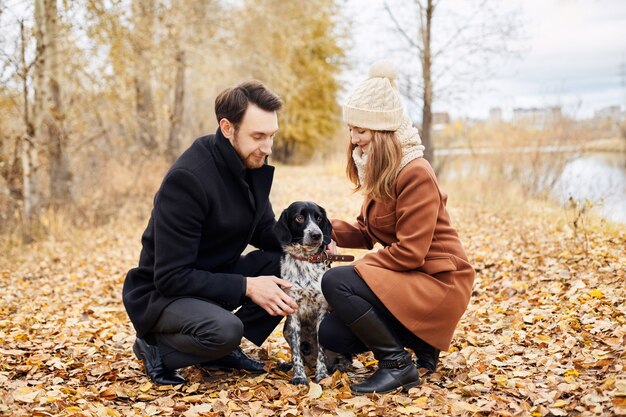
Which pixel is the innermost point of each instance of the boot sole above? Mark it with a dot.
(407, 387)
(403, 388)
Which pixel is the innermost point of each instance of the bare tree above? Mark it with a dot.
(28, 155)
(32, 136)
(176, 118)
(143, 20)
(60, 175)
(462, 51)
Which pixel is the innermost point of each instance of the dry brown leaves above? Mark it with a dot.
(544, 334)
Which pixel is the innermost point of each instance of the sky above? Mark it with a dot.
(573, 55)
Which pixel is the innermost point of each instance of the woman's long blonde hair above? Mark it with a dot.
(383, 165)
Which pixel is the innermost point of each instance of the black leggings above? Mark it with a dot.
(350, 297)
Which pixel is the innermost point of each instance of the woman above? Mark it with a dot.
(413, 291)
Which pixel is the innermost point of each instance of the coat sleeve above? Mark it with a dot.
(417, 208)
(351, 235)
(180, 211)
(264, 236)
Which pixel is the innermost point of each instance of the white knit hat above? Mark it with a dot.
(375, 103)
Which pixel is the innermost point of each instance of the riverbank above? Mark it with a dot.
(617, 145)
(610, 145)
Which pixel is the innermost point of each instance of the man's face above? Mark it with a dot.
(254, 139)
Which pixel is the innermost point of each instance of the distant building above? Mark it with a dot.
(610, 112)
(537, 117)
(495, 115)
(440, 120)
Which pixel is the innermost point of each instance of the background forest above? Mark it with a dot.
(97, 94)
(98, 97)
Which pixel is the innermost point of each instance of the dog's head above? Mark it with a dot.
(304, 223)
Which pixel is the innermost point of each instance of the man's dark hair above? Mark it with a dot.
(232, 103)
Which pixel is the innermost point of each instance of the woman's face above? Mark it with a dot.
(360, 137)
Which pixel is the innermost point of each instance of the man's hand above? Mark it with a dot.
(266, 292)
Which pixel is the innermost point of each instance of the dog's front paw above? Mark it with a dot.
(320, 375)
(298, 380)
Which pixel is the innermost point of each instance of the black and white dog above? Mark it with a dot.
(304, 231)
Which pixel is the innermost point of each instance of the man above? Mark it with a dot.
(213, 202)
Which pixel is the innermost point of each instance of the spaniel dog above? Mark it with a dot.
(304, 231)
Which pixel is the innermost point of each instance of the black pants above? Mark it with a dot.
(350, 298)
(191, 331)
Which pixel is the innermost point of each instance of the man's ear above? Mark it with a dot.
(327, 227)
(227, 128)
(281, 229)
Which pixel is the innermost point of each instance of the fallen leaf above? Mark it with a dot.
(409, 410)
(358, 402)
(315, 390)
(192, 398)
(25, 394)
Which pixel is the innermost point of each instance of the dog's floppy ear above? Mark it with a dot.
(281, 229)
(327, 228)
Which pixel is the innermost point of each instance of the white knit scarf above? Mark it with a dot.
(411, 144)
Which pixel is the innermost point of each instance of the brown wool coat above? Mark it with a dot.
(421, 274)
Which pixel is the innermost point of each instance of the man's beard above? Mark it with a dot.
(254, 160)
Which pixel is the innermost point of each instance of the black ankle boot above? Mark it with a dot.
(236, 359)
(395, 366)
(427, 356)
(154, 366)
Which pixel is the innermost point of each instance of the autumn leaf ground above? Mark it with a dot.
(544, 333)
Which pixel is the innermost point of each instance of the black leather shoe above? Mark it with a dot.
(154, 366)
(395, 365)
(285, 366)
(236, 359)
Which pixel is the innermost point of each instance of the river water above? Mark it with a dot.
(594, 178)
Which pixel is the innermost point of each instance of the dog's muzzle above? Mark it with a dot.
(313, 235)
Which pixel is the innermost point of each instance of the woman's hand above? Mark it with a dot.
(331, 248)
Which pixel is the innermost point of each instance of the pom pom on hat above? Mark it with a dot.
(375, 103)
(383, 69)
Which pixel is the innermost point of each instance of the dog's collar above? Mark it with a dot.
(324, 257)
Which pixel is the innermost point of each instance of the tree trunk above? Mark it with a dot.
(146, 119)
(11, 167)
(173, 143)
(60, 175)
(32, 126)
(427, 116)
(30, 187)
(143, 17)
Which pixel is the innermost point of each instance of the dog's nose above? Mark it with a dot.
(316, 235)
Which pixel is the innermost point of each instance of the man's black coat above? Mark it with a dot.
(207, 210)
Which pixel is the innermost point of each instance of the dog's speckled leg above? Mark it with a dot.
(321, 370)
(299, 376)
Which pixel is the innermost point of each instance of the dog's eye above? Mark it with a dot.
(299, 218)
(319, 219)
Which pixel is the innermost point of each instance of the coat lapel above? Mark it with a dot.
(261, 184)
